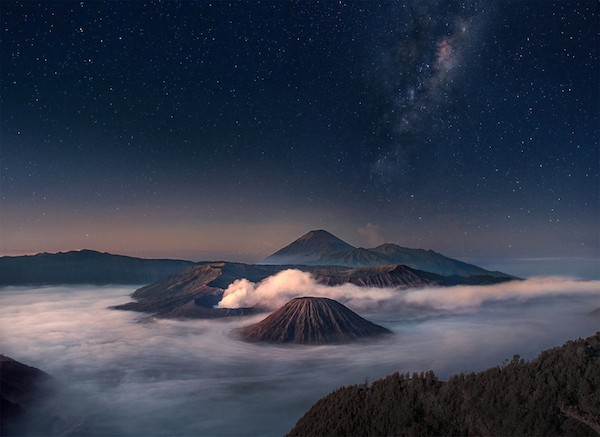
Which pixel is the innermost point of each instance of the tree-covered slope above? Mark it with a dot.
(20, 387)
(557, 393)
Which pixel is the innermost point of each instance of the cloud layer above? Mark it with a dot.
(124, 373)
(278, 289)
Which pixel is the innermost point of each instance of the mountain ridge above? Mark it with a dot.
(193, 292)
(555, 393)
(320, 248)
(315, 249)
(85, 267)
(20, 387)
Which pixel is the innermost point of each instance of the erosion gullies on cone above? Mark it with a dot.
(312, 320)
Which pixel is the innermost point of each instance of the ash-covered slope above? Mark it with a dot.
(312, 320)
(194, 291)
(177, 290)
(398, 276)
(383, 276)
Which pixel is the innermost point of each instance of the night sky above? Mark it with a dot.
(208, 130)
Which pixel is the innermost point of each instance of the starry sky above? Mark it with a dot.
(225, 130)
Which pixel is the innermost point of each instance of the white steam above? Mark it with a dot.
(271, 292)
(276, 290)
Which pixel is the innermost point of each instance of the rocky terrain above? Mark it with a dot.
(312, 320)
(382, 276)
(194, 291)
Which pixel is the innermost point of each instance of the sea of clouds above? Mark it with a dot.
(125, 373)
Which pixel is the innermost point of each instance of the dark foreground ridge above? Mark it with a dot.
(20, 388)
(312, 320)
(557, 393)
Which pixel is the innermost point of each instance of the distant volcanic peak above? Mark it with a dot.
(309, 248)
(312, 320)
(324, 249)
(321, 235)
(322, 240)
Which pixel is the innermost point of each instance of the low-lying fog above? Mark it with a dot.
(124, 373)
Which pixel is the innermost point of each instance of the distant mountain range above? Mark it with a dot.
(332, 260)
(85, 267)
(324, 249)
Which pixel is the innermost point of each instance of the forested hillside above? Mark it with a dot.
(557, 393)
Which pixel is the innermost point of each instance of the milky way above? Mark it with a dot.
(427, 66)
(210, 130)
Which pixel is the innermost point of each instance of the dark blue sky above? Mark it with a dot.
(227, 129)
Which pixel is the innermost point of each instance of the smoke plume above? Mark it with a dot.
(276, 290)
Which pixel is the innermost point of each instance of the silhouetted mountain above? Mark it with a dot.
(396, 275)
(312, 246)
(20, 387)
(194, 291)
(430, 261)
(312, 320)
(383, 276)
(84, 267)
(178, 289)
(323, 248)
(557, 393)
(316, 248)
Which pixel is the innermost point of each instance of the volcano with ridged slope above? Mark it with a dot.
(312, 320)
